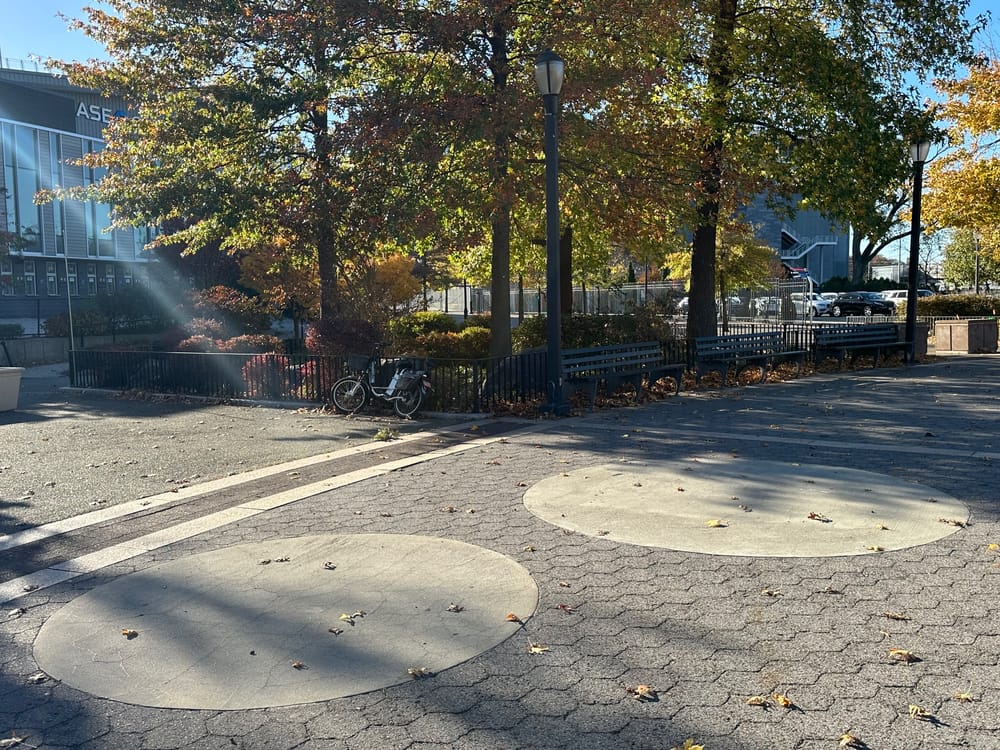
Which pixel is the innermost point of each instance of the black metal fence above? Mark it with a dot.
(476, 385)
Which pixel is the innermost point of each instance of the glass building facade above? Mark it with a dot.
(67, 248)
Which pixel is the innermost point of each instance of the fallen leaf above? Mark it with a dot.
(565, 608)
(954, 522)
(783, 700)
(643, 693)
(528, 548)
(689, 745)
(449, 509)
(385, 515)
(964, 697)
(263, 562)
(11, 741)
(896, 615)
(849, 740)
(901, 654)
(299, 665)
(17, 612)
(916, 712)
(875, 548)
(30, 587)
(283, 558)
(770, 592)
(454, 607)
(329, 565)
(129, 633)
(993, 547)
(511, 617)
(831, 590)
(603, 532)
(521, 484)
(537, 648)
(680, 489)
(564, 584)
(335, 631)
(419, 672)
(758, 700)
(881, 527)
(37, 678)
(715, 523)
(818, 517)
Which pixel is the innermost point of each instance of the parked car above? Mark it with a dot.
(810, 304)
(861, 303)
(898, 296)
(829, 296)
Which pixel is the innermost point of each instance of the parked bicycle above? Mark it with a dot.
(404, 384)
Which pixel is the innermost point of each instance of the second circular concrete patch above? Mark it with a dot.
(286, 621)
(728, 506)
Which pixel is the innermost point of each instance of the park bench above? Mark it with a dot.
(848, 341)
(742, 350)
(616, 365)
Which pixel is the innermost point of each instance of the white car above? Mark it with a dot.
(810, 304)
(899, 295)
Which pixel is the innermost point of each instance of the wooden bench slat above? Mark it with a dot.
(617, 364)
(741, 350)
(848, 341)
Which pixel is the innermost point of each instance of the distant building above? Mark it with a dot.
(46, 124)
(807, 241)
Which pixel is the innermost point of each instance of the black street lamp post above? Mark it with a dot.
(549, 77)
(918, 153)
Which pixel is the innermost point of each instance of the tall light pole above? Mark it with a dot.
(549, 77)
(918, 153)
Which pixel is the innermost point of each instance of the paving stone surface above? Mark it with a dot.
(706, 631)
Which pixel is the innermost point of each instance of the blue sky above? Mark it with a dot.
(33, 28)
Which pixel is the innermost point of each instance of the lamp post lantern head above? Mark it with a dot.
(919, 151)
(549, 73)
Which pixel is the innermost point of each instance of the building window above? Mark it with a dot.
(6, 278)
(30, 288)
(71, 279)
(20, 174)
(92, 279)
(109, 279)
(126, 276)
(51, 285)
(58, 209)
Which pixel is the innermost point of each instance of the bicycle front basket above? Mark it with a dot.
(357, 362)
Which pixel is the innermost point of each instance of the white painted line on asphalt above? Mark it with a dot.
(65, 570)
(184, 494)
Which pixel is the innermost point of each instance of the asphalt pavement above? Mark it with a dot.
(499, 583)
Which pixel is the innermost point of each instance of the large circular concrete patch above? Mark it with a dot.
(324, 617)
(727, 506)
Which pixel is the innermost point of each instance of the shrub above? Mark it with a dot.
(11, 330)
(579, 331)
(470, 343)
(477, 321)
(266, 376)
(205, 327)
(339, 337)
(252, 342)
(242, 313)
(198, 344)
(85, 323)
(406, 329)
(964, 305)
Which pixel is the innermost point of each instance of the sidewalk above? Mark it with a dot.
(896, 646)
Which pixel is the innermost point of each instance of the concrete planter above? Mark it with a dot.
(10, 386)
(977, 336)
(922, 330)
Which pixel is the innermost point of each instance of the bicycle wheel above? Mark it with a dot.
(349, 395)
(409, 401)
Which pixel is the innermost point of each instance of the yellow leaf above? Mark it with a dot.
(782, 700)
(954, 522)
(875, 548)
(993, 547)
(896, 615)
(770, 592)
(689, 745)
(643, 692)
(537, 648)
(849, 740)
(758, 700)
(916, 712)
(715, 523)
(901, 654)
(964, 697)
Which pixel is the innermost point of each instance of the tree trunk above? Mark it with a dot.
(701, 299)
(500, 340)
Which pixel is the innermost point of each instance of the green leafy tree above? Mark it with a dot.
(968, 257)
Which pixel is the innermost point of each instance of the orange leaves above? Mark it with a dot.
(646, 693)
(511, 617)
(716, 523)
(689, 744)
(849, 740)
(902, 655)
(819, 517)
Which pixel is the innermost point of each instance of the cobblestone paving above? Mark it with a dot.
(707, 632)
